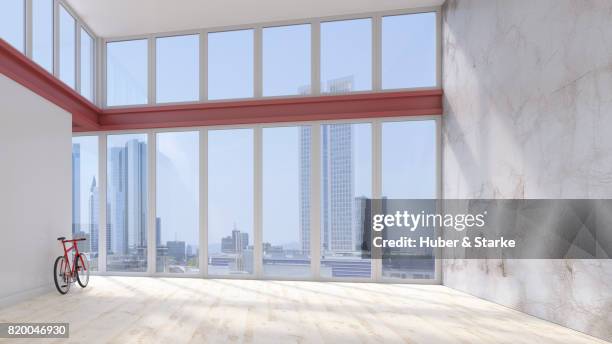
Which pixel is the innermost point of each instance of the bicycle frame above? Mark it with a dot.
(75, 247)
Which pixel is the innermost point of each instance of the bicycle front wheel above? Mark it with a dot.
(82, 269)
(61, 277)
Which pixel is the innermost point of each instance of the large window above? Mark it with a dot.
(367, 53)
(230, 64)
(286, 60)
(286, 153)
(67, 47)
(346, 56)
(12, 23)
(295, 185)
(230, 202)
(178, 69)
(409, 51)
(42, 33)
(346, 183)
(87, 65)
(85, 197)
(126, 212)
(127, 73)
(176, 225)
(408, 172)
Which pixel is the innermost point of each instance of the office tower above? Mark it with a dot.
(136, 195)
(94, 202)
(337, 183)
(76, 188)
(126, 211)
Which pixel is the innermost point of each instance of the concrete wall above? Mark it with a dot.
(528, 114)
(35, 184)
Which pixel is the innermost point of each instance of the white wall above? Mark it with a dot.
(528, 114)
(35, 189)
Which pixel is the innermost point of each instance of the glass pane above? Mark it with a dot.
(12, 23)
(67, 48)
(230, 64)
(286, 204)
(230, 202)
(42, 33)
(409, 51)
(286, 60)
(126, 73)
(87, 65)
(126, 212)
(408, 172)
(346, 56)
(346, 182)
(178, 68)
(176, 225)
(85, 197)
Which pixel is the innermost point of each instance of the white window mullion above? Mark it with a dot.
(203, 66)
(257, 63)
(28, 28)
(203, 204)
(315, 57)
(257, 202)
(77, 57)
(101, 68)
(315, 202)
(151, 63)
(376, 53)
(56, 41)
(376, 189)
(151, 202)
(438, 232)
(102, 179)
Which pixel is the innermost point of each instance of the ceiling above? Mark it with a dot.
(114, 18)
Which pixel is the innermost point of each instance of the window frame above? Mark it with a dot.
(315, 193)
(315, 60)
(153, 55)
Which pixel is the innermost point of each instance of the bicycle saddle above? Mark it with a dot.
(61, 238)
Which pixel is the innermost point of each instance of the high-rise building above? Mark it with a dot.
(236, 243)
(337, 183)
(337, 188)
(126, 211)
(76, 188)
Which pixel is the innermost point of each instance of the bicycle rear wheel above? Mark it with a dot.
(60, 275)
(82, 269)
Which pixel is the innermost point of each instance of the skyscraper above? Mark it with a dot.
(337, 183)
(127, 193)
(76, 188)
(337, 188)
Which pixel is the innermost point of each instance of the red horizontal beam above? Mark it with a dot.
(87, 117)
(26, 72)
(365, 105)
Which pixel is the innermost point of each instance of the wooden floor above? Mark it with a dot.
(179, 310)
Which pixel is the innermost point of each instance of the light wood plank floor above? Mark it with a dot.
(179, 310)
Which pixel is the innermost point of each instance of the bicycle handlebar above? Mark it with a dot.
(68, 240)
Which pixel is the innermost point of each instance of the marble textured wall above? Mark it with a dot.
(528, 114)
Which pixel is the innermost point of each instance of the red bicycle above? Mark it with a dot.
(64, 274)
